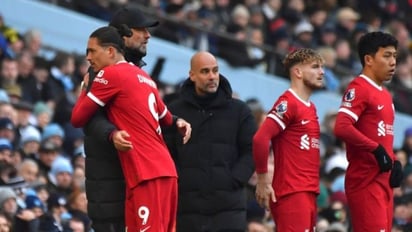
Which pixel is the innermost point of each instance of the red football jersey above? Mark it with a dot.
(295, 147)
(371, 108)
(133, 104)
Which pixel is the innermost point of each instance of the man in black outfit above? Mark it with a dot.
(104, 177)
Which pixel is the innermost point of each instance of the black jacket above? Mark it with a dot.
(216, 164)
(105, 186)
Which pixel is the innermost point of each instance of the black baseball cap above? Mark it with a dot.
(132, 17)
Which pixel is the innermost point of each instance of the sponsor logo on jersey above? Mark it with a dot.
(99, 78)
(101, 81)
(384, 129)
(306, 142)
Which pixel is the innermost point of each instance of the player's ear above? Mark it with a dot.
(368, 59)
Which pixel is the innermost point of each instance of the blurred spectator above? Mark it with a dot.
(256, 42)
(5, 223)
(38, 86)
(53, 220)
(61, 177)
(318, 18)
(77, 202)
(346, 19)
(7, 129)
(234, 50)
(207, 18)
(6, 149)
(8, 204)
(34, 203)
(223, 11)
(401, 84)
(25, 62)
(347, 65)
(328, 36)
(29, 171)
(8, 111)
(33, 42)
(332, 82)
(303, 35)
(62, 71)
(48, 152)
(79, 157)
(53, 133)
(282, 46)
(30, 143)
(43, 115)
(12, 36)
(173, 30)
(8, 77)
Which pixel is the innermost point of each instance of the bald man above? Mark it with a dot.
(216, 164)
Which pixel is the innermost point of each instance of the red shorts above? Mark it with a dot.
(371, 209)
(295, 212)
(152, 206)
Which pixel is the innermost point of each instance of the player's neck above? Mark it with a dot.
(303, 92)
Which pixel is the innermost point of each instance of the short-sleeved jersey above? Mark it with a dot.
(296, 148)
(372, 109)
(133, 104)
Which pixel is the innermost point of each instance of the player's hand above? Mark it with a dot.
(383, 159)
(120, 140)
(264, 191)
(85, 81)
(184, 128)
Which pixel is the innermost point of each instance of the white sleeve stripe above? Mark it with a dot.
(163, 113)
(281, 124)
(95, 99)
(350, 113)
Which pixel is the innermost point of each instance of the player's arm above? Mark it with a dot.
(346, 130)
(261, 146)
(99, 125)
(83, 110)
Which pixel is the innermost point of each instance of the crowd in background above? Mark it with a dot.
(42, 156)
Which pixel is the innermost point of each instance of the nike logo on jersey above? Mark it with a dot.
(144, 229)
(380, 107)
(304, 122)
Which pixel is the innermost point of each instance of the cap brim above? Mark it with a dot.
(149, 23)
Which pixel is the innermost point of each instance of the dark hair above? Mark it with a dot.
(370, 43)
(109, 36)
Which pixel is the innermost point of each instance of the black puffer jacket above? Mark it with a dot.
(105, 185)
(217, 162)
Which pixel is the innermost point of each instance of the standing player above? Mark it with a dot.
(365, 124)
(292, 127)
(132, 103)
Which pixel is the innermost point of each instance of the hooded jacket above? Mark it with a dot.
(216, 163)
